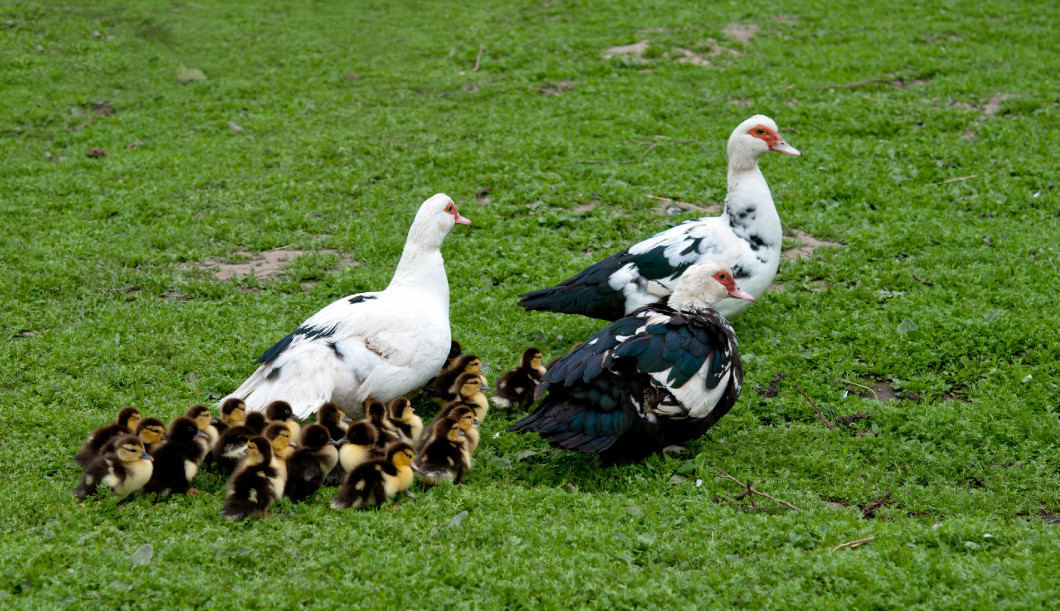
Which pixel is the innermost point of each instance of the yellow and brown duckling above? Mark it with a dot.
(515, 389)
(256, 483)
(404, 419)
(333, 418)
(468, 389)
(152, 432)
(204, 420)
(280, 437)
(229, 449)
(124, 468)
(280, 412)
(233, 413)
(376, 481)
(356, 448)
(98, 440)
(446, 456)
(177, 461)
(441, 388)
(311, 463)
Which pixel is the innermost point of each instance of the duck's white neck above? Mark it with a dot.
(749, 209)
(422, 269)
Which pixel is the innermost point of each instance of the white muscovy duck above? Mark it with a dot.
(746, 237)
(380, 345)
(658, 377)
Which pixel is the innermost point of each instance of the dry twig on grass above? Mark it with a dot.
(956, 179)
(851, 544)
(478, 58)
(820, 414)
(750, 491)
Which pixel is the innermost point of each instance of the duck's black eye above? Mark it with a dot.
(760, 131)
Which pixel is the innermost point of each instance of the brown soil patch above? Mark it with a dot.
(1050, 518)
(992, 106)
(741, 32)
(636, 49)
(267, 265)
(881, 391)
(805, 246)
(587, 206)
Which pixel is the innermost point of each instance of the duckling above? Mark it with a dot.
(515, 389)
(446, 456)
(280, 437)
(332, 417)
(281, 412)
(468, 389)
(403, 418)
(461, 413)
(376, 481)
(229, 449)
(177, 462)
(205, 421)
(255, 485)
(375, 414)
(152, 432)
(441, 388)
(124, 468)
(97, 441)
(357, 447)
(257, 422)
(233, 413)
(454, 352)
(310, 464)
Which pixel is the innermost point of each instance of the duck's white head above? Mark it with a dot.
(436, 217)
(752, 139)
(705, 284)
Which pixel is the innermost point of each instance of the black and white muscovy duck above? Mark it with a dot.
(378, 345)
(658, 377)
(746, 237)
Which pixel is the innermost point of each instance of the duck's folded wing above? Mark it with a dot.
(644, 273)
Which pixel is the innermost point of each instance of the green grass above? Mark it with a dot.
(100, 310)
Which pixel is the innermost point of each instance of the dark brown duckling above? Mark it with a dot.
(357, 447)
(281, 412)
(177, 462)
(233, 413)
(515, 389)
(229, 449)
(311, 463)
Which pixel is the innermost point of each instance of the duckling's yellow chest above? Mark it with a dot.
(394, 484)
(351, 455)
(136, 476)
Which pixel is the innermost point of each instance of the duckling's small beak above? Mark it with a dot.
(245, 451)
(485, 385)
(332, 442)
(343, 441)
(201, 434)
(214, 421)
(476, 422)
(347, 419)
(292, 444)
(461, 433)
(415, 468)
(147, 456)
(164, 437)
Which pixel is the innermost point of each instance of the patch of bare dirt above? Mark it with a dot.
(881, 391)
(587, 206)
(805, 246)
(1050, 518)
(992, 106)
(786, 19)
(636, 49)
(267, 265)
(741, 102)
(741, 32)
